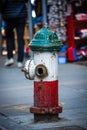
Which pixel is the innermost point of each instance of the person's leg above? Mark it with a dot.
(0, 36)
(9, 42)
(20, 35)
(9, 39)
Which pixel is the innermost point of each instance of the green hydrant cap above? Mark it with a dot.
(45, 40)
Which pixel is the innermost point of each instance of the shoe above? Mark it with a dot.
(9, 62)
(20, 64)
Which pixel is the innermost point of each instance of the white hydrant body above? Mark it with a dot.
(50, 60)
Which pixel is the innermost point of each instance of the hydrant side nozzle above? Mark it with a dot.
(29, 69)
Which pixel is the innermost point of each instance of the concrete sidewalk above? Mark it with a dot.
(16, 96)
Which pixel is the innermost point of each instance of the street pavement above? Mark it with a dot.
(16, 96)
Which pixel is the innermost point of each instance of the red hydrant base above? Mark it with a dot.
(46, 106)
(45, 114)
(42, 110)
(46, 94)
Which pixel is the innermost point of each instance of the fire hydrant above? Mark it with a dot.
(43, 69)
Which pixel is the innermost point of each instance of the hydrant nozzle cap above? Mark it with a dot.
(45, 40)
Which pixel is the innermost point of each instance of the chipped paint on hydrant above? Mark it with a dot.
(43, 69)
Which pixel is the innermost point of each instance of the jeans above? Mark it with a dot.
(19, 25)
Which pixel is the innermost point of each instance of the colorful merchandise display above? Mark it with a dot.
(57, 17)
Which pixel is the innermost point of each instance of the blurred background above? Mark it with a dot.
(68, 18)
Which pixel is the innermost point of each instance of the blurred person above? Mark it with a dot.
(15, 16)
(3, 28)
(0, 35)
(3, 43)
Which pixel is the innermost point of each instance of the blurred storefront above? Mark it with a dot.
(68, 18)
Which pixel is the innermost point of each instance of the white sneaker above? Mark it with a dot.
(20, 64)
(9, 62)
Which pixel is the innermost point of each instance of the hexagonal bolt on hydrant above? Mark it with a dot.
(43, 69)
